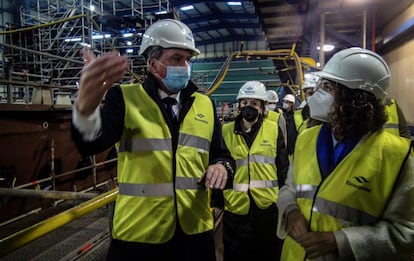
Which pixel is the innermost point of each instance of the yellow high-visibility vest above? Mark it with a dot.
(255, 169)
(150, 200)
(355, 193)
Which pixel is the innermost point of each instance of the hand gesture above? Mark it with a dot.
(97, 76)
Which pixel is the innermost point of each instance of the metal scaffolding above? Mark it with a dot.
(44, 49)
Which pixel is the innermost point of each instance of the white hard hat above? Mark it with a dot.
(168, 33)
(358, 68)
(289, 98)
(272, 96)
(310, 83)
(253, 90)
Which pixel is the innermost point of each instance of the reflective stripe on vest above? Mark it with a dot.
(154, 190)
(255, 184)
(255, 168)
(194, 141)
(146, 190)
(134, 145)
(255, 159)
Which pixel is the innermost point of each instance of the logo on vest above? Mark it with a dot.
(199, 117)
(360, 183)
(265, 143)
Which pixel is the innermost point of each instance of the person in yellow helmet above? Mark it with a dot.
(250, 213)
(170, 148)
(349, 191)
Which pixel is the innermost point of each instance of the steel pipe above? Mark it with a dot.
(25, 236)
(25, 193)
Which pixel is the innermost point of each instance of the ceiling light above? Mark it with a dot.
(234, 3)
(161, 12)
(187, 7)
(326, 47)
(73, 39)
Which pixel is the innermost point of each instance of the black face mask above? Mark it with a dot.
(249, 113)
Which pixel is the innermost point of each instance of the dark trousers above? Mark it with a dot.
(251, 236)
(183, 247)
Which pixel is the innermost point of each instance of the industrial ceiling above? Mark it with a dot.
(220, 26)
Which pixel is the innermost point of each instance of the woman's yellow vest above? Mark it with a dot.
(255, 169)
(354, 194)
(150, 199)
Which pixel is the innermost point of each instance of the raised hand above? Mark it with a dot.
(97, 76)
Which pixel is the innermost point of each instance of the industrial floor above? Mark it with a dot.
(85, 238)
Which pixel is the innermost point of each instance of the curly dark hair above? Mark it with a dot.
(355, 113)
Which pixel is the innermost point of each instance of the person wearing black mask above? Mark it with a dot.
(258, 147)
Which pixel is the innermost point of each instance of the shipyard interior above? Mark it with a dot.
(51, 192)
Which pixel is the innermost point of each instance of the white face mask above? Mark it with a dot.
(320, 104)
(271, 107)
(286, 106)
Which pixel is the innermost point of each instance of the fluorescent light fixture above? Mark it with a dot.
(100, 36)
(326, 47)
(160, 12)
(187, 7)
(126, 35)
(234, 3)
(86, 45)
(73, 39)
(129, 43)
(92, 8)
(129, 50)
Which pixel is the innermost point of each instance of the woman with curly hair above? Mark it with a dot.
(349, 191)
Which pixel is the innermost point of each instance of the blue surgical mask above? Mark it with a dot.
(177, 77)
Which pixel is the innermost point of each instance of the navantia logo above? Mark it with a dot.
(189, 37)
(361, 179)
(265, 143)
(360, 183)
(200, 117)
(249, 89)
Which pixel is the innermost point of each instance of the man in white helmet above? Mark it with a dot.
(302, 114)
(291, 129)
(170, 148)
(273, 113)
(250, 213)
(349, 193)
